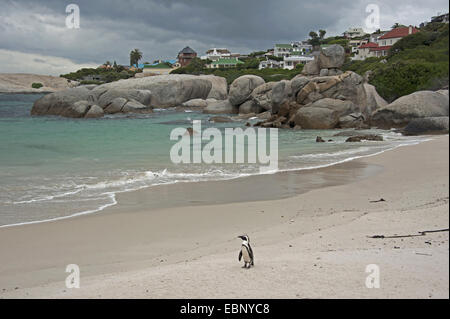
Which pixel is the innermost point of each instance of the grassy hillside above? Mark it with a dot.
(416, 62)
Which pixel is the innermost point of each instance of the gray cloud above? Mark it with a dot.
(160, 28)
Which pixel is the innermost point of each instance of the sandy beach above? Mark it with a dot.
(309, 230)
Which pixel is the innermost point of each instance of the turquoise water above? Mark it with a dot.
(51, 167)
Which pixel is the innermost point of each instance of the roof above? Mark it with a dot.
(283, 45)
(227, 61)
(369, 45)
(383, 48)
(398, 33)
(187, 50)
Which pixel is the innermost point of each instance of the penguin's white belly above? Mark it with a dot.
(245, 254)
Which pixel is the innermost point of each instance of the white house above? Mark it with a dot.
(354, 33)
(215, 54)
(271, 64)
(282, 50)
(384, 43)
(391, 37)
(292, 61)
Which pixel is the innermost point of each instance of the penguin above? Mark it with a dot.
(246, 252)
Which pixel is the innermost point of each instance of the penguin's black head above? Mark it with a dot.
(244, 237)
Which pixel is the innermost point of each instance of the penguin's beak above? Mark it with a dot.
(241, 237)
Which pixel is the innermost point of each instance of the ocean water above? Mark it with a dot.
(53, 167)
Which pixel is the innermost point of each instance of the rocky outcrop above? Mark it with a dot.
(419, 104)
(281, 92)
(242, 88)
(427, 126)
(221, 107)
(141, 94)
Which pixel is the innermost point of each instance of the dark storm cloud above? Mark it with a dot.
(160, 28)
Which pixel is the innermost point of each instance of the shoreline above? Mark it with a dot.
(180, 245)
(114, 195)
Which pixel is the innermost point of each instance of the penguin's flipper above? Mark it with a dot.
(240, 255)
(250, 252)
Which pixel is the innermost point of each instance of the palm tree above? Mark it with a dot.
(322, 33)
(135, 56)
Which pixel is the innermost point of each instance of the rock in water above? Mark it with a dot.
(367, 137)
(59, 102)
(94, 112)
(221, 107)
(316, 118)
(77, 110)
(242, 87)
(196, 103)
(427, 125)
(159, 91)
(419, 104)
(319, 140)
(250, 107)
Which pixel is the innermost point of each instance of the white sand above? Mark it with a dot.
(314, 245)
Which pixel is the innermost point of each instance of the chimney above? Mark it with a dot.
(410, 29)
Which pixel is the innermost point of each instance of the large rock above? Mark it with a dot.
(311, 68)
(262, 96)
(419, 104)
(281, 92)
(242, 88)
(250, 106)
(346, 86)
(77, 110)
(373, 100)
(316, 118)
(133, 106)
(196, 103)
(59, 102)
(343, 108)
(221, 107)
(332, 56)
(219, 88)
(116, 105)
(298, 83)
(95, 111)
(427, 125)
(353, 120)
(104, 100)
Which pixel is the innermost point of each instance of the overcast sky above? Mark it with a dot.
(34, 37)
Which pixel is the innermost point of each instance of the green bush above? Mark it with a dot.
(416, 62)
(36, 85)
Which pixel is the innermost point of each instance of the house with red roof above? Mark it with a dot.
(384, 43)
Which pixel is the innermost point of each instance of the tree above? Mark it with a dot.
(135, 56)
(115, 64)
(314, 38)
(322, 33)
